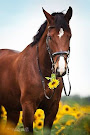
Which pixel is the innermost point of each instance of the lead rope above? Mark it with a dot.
(42, 79)
(67, 72)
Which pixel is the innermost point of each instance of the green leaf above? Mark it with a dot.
(53, 76)
(48, 78)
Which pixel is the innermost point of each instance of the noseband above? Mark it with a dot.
(52, 55)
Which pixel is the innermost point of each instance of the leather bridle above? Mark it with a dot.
(52, 55)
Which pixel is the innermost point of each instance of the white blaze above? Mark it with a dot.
(61, 67)
(61, 33)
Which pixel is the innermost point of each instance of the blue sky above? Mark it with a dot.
(20, 20)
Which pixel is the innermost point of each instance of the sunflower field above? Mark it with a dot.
(73, 118)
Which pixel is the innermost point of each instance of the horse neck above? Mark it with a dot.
(44, 58)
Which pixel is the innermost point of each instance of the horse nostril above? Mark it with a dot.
(60, 74)
(57, 72)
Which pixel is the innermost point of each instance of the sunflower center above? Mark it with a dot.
(67, 109)
(40, 124)
(78, 115)
(53, 83)
(39, 115)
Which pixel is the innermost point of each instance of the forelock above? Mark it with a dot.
(60, 21)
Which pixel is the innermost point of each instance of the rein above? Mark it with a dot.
(42, 78)
(61, 53)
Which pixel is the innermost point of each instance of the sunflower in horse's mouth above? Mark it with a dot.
(53, 81)
(53, 84)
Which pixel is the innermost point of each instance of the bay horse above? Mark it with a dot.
(22, 73)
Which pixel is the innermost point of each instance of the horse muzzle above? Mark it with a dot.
(60, 74)
(60, 66)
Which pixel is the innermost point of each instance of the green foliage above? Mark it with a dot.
(53, 76)
(72, 100)
(48, 78)
(65, 118)
(80, 127)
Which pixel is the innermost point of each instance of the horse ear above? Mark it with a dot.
(49, 17)
(68, 15)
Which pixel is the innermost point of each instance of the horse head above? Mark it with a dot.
(58, 40)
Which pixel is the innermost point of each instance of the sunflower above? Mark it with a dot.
(39, 114)
(78, 115)
(34, 124)
(62, 128)
(57, 119)
(85, 109)
(39, 124)
(9, 130)
(60, 105)
(3, 111)
(4, 118)
(66, 109)
(68, 123)
(6, 132)
(20, 117)
(53, 83)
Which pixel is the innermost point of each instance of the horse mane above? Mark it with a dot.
(59, 22)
